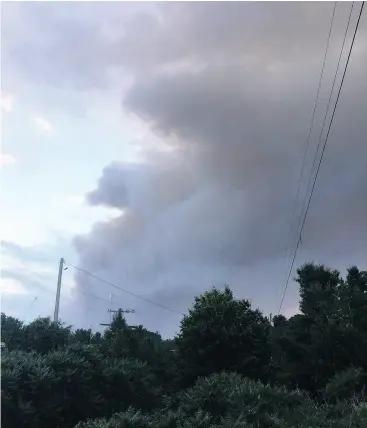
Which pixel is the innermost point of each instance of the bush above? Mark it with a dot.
(64, 387)
(344, 385)
(224, 357)
(230, 394)
(228, 400)
(166, 419)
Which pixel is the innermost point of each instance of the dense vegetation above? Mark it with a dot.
(229, 366)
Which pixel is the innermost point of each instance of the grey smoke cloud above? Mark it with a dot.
(229, 88)
(219, 212)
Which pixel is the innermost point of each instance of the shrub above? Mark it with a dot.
(64, 387)
(230, 394)
(344, 385)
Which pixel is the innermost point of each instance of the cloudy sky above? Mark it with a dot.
(159, 146)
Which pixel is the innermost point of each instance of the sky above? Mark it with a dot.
(159, 146)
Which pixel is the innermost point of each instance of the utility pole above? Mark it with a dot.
(109, 310)
(57, 302)
(125, 311)
(112, 311)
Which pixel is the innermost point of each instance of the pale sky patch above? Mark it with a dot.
(6, 102)
(26, 232)
(290, 311)
(12, 286)
(7, 159)
(43, 125)
(13, 261)
(74, 200)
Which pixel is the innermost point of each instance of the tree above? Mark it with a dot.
(43, 335)
(117, 340)
(318, 290)
(353, 299)
(52, 376)
(11, 332)
(221, 333)
(97, 338)
(279, 321)
(330, 335)
(82, 336)
(121, 340)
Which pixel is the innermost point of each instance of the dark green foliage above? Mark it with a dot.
(345, 384)
(228, 367)
(318, 290)
(11, 332)
(82, 336)
(227, 400)
(229, 394)
(161, 419)
(44, 335)
(353, 299)
(329, 336)
(120, 340)
(221, 333)
(64, 387)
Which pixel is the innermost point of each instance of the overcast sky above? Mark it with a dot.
(159, 146)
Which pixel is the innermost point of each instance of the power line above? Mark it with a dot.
(94, 296)
(325, 117)
(51, 291)
(126, 291)
(310, 129)
(78, 304)
(322, 155)
(46, 289)
(112, 311)
(27, 269)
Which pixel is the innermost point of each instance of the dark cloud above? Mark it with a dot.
(66, 45)
(111, 190)
(230, 89)
(77, 45)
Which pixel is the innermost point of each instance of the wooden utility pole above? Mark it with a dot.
(112, 311)
(58, 290)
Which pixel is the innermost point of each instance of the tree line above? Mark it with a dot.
(229, 365)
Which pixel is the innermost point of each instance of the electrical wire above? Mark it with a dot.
(325, 117)
(126, 291)
(95, 297)
(46, 289)
(310, 130)
(89, 294)
(322, 155)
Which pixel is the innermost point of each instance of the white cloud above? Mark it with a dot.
(29, 232)
(7, 159)
(12, 286)
(76, 200)
(43, 125)
(6, 102)
(68, 201)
